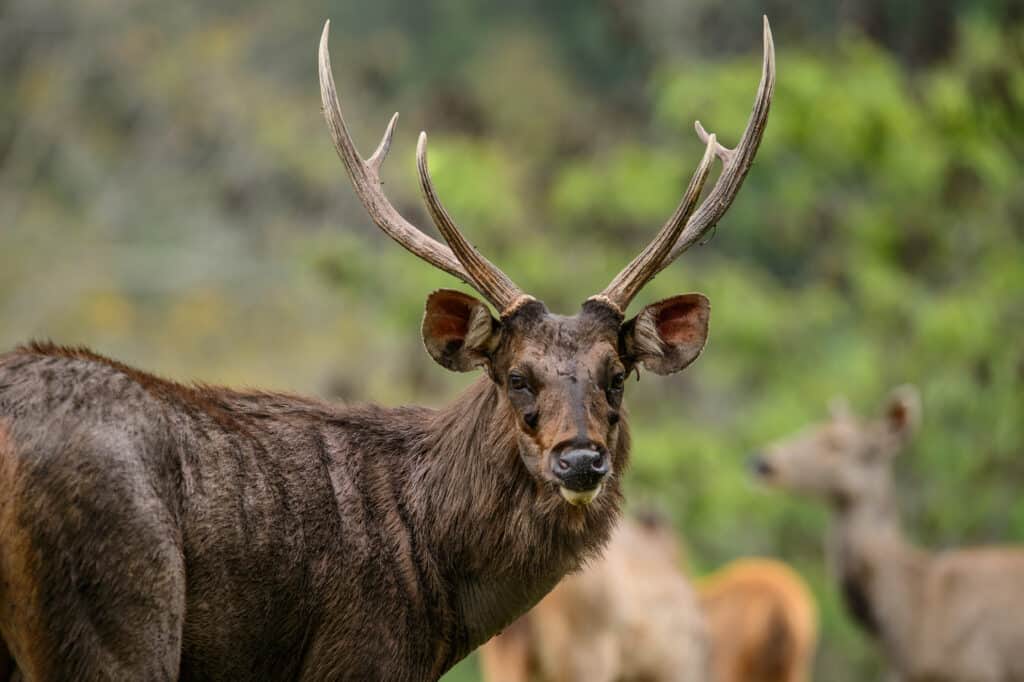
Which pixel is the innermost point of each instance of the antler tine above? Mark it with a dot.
(686, 225)
(365, 177)
(648, 262)
(490, 280)
(736, 161)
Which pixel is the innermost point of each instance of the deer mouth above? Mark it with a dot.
(580, 498)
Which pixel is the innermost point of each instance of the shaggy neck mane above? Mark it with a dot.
(500, 539)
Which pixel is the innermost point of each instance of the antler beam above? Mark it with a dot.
(461, 260)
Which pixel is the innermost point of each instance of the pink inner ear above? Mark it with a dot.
(899, 415)
(448, 327)
(679, 322)
(448, 316)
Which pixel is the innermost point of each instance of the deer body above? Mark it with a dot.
(349, 525)
(150, 530)
(631, 615)
(762, 622)
(949, 616)
(953, 616)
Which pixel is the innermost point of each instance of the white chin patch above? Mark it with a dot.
(579, 498)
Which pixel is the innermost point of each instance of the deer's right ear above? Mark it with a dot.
(459, 331)
(668, 335)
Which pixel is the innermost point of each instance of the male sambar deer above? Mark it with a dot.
(762, 622)
(951, 616)
(629, 615)
(152, 530)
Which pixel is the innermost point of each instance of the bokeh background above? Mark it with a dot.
(169, 195)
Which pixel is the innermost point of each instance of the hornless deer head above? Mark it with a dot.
(846, 460)
(562, 377)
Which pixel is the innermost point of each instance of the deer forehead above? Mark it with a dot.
(566, 346)
(843, 434)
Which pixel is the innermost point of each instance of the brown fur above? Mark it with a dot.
(938, 617)
(630, 616)
(762, 621)
(158, 531)
(15, 576)
(12, 578)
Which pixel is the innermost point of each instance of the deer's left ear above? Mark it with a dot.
(668, 335)
(459, 331)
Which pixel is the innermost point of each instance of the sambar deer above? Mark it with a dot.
(762, 622)
(153, 530)
(630, 615)
(634, 615)
(951, 616)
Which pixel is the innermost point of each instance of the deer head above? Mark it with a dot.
(562, 377)
(847, 459)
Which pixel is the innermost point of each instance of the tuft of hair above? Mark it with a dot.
(646, 340)
(479, 331)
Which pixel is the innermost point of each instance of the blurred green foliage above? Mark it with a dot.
(168, 195)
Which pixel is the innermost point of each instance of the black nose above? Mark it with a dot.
(581, 469)
(761, 466)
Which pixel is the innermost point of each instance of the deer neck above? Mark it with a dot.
(879, 570)
(499, 540)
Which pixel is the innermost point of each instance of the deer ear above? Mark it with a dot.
(668, 335)
(902, 411)
(459, 331)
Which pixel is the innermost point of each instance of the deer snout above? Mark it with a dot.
(581, 469)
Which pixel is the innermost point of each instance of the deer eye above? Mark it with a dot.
(517, 382)
(618, 379)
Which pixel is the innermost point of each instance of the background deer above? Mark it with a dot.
(150, 530)
(953, 615)
(631, 615)
(762, 622)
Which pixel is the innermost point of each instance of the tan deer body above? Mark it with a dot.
(640, 619)
(762, 622)
(630, 615)
(953, 616)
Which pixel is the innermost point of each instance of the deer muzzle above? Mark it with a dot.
(580, 473)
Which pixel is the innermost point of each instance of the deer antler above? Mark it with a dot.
(461, 260)
(491, 282)
(686, 226)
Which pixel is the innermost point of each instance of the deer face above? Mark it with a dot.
(846, 459)
(563, 378)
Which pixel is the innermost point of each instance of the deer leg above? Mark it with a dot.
(101, 621)
(92, 580)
